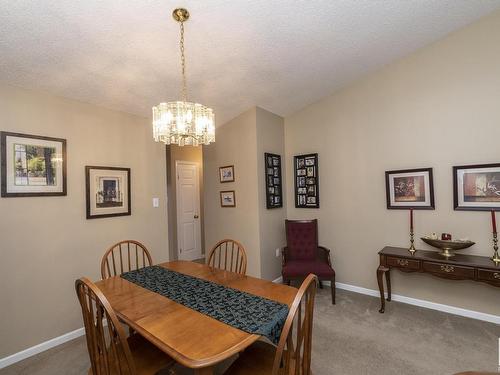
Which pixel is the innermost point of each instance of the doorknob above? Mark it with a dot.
(196, 216)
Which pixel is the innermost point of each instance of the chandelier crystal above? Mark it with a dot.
(182, 122)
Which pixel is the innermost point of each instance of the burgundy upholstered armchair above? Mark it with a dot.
(303, 255)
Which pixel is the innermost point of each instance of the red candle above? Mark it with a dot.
(411, 219)
(493, 221)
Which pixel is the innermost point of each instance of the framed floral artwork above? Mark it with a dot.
(410, 188)
(477, 187)
(226, 174)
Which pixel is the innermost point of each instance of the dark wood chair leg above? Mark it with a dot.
(333, 290)
(320, 284)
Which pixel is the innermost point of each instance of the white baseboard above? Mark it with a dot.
(416, 302)
(16, 357)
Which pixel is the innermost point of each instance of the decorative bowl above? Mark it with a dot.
(448, 246)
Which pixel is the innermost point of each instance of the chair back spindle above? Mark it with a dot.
(293, 355)
(124, 256)
(107, 345)
(229, 255)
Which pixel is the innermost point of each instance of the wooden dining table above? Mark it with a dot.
(191, 338)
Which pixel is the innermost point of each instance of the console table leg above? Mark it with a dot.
(388, 282)
(380, 279)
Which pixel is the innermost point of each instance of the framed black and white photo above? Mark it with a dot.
(107, 191)
(227, 198)
(410, 188)
(477, 187)
(306, 181)
(273, 180)
(226, 174)
(32, 165)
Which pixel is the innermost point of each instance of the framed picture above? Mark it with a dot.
(32, 165)
(410, 188)
(306, 181)
(226, 174)
(227, 198)
(273, 180)
(477, 187)
(107, 191)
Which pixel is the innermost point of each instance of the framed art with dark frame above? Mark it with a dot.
(32, 165)
(476, 187)
(228, 198)
(226, 174)
(107, 191)
(274, 186)
(306, 181)
(410, 188)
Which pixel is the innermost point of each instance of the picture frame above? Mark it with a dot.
(476, 187)
(226, 174)
(274, 182)
(306, 179)
(32, 165)
(107, 191)
(228, 198)
(410, 188)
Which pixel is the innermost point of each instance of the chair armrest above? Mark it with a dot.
(284, 255)
(324, 255)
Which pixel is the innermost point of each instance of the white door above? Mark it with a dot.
(188, 211)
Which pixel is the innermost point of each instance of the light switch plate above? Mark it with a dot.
(278, 250)
(156, 202)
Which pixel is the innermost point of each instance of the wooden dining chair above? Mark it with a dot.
(110, 351)
(229, 255)
(293, 354)
(124, 256)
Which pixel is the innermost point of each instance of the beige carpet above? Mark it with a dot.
(351, 338)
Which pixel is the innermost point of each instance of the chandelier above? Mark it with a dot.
(182, 122)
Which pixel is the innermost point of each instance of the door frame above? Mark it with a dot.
(177, 205)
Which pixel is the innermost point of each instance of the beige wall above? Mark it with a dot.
(436, 108)
(236, 144)
(46, 242)
(270, 138)
(185, 153)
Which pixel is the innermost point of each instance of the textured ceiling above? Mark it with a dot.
(278, 54)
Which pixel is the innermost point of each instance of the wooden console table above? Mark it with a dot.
(458, 267)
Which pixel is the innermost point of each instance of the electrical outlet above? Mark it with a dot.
(278, 252)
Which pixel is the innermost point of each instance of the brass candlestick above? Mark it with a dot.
(412, 246)
(495, 258)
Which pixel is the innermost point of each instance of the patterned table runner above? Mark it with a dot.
(245, 311)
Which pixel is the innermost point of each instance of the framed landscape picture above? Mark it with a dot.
(107, 191)
(410, 188)
(274, 185)
(32, 165)
(226, 174)
(306, 181)
(227, 198)
(477, 187)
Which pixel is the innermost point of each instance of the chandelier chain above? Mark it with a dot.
(183, 64)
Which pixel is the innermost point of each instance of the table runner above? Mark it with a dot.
(245, 311)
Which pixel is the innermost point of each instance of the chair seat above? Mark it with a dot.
(296, 268)
(147, 357)
(255, 360)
